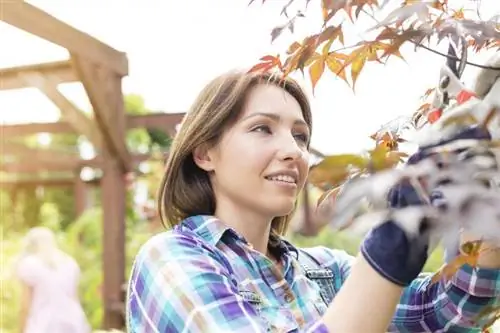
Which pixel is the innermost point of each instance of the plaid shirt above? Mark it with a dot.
(203, 277)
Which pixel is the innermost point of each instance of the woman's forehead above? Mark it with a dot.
(272, 101)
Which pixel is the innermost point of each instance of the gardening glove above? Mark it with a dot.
(387, 248)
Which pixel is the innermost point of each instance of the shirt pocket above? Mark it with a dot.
(280, 319)
(252, 298)
(324, 279)
(276, 318)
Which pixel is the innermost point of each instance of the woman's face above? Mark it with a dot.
(261, 162)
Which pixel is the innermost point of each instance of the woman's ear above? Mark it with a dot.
(203, 158)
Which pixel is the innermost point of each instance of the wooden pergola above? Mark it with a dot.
(100, 69)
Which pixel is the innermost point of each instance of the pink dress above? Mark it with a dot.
(55, 307)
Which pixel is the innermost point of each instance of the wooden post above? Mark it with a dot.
(80, 191)
(113, 202)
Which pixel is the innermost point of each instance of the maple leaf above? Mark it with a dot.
(336, 66)
(330, 8)
(317, 61)
(482, 32)
(316, 69)
(416, 36)
(401, 14)
(290, 25)
(470, 255)
(335, 169)
(359, 4)
(304, 54)
(368, 51)
(267, 63)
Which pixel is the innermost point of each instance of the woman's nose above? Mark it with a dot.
(289, 149)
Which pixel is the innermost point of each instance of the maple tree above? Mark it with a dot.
(423, 24)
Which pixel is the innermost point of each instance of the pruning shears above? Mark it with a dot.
(449, 85)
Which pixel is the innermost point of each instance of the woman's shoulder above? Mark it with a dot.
(174, 245)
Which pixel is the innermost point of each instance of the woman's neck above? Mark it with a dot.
(253, 227)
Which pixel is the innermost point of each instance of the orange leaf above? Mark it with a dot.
(451, 268)
(470, 255)
(267, 63)
(424, 108)
(293, 47)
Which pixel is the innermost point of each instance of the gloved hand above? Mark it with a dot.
(387, 248)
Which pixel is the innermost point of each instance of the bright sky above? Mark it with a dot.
(175, 47)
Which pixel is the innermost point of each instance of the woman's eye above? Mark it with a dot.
(262, 128)
(302, 137)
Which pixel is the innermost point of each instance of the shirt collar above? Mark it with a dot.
(211, 230)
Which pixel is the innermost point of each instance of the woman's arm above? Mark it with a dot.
(365, 303)
(26, 298)
(451, 306)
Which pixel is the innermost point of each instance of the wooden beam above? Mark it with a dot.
(9, 184)
(104, 89)
(62, 70)
(159, 120)
(17, 130)
(30, 166)
(37, 22)
(65, 164)
(38, 154)
(69, 111)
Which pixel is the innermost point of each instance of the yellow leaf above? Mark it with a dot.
(342, 160)
(316, 71)
(356, 67)
(336, 67)
(327, 177)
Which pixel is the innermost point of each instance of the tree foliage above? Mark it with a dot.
(423, 24)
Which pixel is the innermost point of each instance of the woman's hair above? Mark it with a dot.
(41, 242)
(185, 189)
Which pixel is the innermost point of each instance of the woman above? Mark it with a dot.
(230, 187)
(49, 279)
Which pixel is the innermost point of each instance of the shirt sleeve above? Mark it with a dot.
(179, 284)
(453, 305)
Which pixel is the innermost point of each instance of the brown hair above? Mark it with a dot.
(185, 189)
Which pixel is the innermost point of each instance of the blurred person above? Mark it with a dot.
(49, 280)
(230, 187)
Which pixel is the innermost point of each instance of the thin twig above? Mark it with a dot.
(436, 51)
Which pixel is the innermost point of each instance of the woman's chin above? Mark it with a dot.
(282, 207)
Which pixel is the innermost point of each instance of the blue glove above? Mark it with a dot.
(387, 248)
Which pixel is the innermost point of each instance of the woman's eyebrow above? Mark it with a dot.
(274, 116)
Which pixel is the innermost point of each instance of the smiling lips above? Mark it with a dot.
(288, 179)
